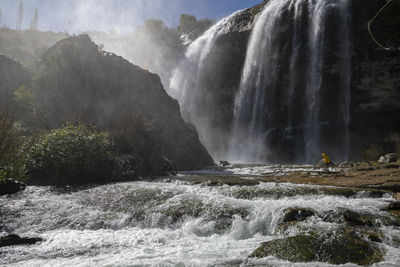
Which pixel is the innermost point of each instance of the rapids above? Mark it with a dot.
(173, 223)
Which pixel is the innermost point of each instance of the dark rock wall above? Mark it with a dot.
(13, 75)
(375, 82)
(375, 86)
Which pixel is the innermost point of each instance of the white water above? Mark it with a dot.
(256, 107)
(169, 224)
(185, 84)
(252, 114)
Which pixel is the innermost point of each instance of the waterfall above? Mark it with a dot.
(188, 83)
(294, 93)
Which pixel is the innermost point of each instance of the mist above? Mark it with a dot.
(122, 16)
(143, 32)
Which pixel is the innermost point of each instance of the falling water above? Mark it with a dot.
(291, 100)
(346, 72)
(252, 115)
(188, 83)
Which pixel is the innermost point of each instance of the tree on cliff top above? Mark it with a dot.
(20, 16)
(35, 21)
(188, 24)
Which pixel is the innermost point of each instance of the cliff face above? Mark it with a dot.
(221, 79)
(374, 85)
(76, 81)
(27, 46)
(13, 75)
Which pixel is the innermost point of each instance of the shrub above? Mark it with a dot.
(73, 154)
(372, 153)
(12, 159)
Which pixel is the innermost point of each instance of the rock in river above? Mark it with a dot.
(9, 186)
(353, 218)
(297, 214)
(12, 240)
(334, 248)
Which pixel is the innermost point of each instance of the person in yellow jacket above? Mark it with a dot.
(327, 160)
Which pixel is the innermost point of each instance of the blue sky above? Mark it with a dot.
(75, 16)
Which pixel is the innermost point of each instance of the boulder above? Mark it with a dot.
(13, 75)
(388, 158)
(354, 218)
(395, 205)
(335, 248)
(9, 186)
(224, 163)
(13, 240)
(297, 214)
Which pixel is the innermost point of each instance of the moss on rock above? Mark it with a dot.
(339, 248)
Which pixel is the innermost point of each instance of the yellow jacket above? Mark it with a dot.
(327, 160)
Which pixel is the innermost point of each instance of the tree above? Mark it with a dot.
(187, 23)
(20, 16)
(35, 20)
(153, 25)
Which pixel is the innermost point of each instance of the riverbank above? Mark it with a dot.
(358, 176)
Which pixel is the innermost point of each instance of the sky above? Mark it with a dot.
(75, 16)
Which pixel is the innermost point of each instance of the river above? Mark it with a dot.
(171, 222)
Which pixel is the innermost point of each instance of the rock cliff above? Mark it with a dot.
(77, 81)
(374, 85)
(13, 75)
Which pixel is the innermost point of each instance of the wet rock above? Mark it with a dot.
(353, 218)
(334, 248)
(187, 207)
(345, 164)
(397, 196)
(218, 180)
(224, 163)
(297, 214)
(395, 205)
(373, 236)
(388, 158)
(393, 165)
(12, 240)
(10, 186)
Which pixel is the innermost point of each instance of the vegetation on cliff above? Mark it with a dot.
(12, 150)
(77, 82)
(70, 155)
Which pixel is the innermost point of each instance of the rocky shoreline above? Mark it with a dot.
(371, 176)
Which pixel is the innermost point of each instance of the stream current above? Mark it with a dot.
(173, 223)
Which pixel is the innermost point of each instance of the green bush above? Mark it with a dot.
(12, 158)
(73, 154)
